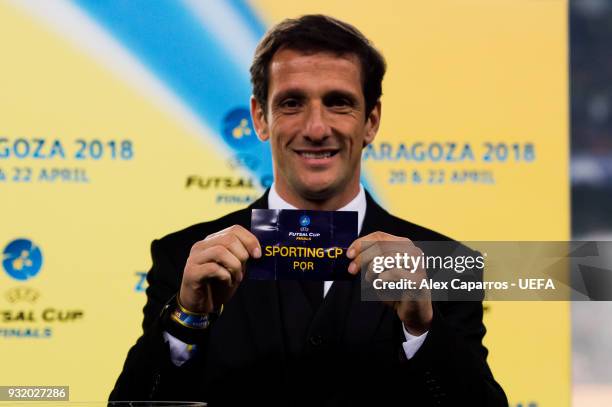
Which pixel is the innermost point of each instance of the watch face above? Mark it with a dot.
(191, 321)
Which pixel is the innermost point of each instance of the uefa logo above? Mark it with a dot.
(238, 131)
(304, 221)
(22, 259)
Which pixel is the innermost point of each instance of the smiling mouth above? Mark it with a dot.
(317, 154)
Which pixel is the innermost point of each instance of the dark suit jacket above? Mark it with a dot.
(271, 347)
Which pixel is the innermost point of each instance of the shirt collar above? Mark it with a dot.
(358, 204)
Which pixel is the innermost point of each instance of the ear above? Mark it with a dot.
(259, 120)
(372, 124)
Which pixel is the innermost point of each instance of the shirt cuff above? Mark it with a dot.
(180, 352)
(413, 343)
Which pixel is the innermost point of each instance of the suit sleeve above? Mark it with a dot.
(452, 362)
(148, 372)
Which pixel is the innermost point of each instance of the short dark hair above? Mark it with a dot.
(313, 33)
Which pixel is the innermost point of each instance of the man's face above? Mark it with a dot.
(316, 122)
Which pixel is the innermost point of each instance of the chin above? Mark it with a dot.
(318, 190)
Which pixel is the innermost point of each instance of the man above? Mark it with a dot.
(228, 340)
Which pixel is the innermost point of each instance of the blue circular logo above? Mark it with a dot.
(304, 220)
(22, 259)
(238, 130)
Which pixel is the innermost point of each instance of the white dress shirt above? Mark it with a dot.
(180, 352)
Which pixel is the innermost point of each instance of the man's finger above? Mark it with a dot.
(362, 258)
(364, 242)
(214, 272)
(383, 249)
(361, 244)
(234, 244)
(248, 239)
(222, 256)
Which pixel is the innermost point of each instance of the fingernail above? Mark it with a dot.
(352, 268)
(350, 253)
(257, 253)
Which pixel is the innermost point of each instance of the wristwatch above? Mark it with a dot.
(187, 326)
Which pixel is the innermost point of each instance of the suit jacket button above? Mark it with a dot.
(316, 340)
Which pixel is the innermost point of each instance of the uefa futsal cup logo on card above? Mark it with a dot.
(22, 259)
(238, 131)
(304, 221)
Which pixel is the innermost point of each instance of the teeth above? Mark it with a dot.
(316, 155)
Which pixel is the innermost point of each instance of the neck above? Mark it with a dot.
(315, 202)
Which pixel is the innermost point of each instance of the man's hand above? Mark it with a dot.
(415, 313)
(215, 268)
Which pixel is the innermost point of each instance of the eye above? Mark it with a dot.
(290, 103)
(339, 103)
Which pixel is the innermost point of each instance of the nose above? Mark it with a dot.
(316, 128)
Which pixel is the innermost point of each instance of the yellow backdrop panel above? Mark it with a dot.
(473, 144)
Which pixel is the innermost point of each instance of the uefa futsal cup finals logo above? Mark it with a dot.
(237, 129)
(22, 259)
(304, 221)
